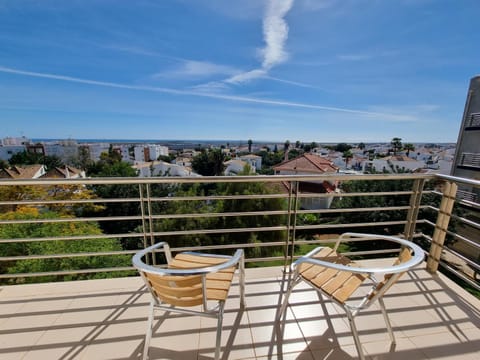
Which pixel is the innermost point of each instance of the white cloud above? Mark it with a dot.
(192, 68)
(275, 35)
(246, 76)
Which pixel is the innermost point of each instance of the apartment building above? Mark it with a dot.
(467, 156)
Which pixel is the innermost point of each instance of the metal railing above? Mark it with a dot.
(56, 229)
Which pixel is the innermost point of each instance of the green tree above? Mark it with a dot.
(110, 165)
(250, 142)
(347, 155)
(342, 147)
(209, 163)
(361, 146)
(34, 229)
(396, 145)
(28, 158)
(409, 147)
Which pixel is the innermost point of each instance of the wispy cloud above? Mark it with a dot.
(354, 57)
(384, 116)
(246, 76)
(192, 68)
(275, 34)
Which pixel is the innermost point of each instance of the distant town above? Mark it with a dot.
(174, 157)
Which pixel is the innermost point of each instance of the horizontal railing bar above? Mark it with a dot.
(226, 246)
(69, 220)
(218, 231)
(66, 272)
(71, 238)
(219, 197)
(215, 179)
(332, 226)
(71, 255)
(220, 214)
(475, 183)
(467, 221)
(461, 238)
(460, 275)
(460, 256)
(67, 202)
(348, 210)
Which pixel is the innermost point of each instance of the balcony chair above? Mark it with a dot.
(190, 279)
(338, 278)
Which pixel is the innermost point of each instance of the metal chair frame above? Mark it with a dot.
(215, 311)
(376, 292)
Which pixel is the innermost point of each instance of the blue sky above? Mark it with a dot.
(308, 70)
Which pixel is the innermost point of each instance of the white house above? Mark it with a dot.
(254, 161)
(162, 168)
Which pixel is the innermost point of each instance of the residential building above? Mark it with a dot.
(236, 166)
(23, 172)
(467, 155)
(309, 164)
(67, 172)
(254, 161)
(146, 153)
(162, 168)
(7, 151)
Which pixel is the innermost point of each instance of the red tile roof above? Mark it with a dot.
(307, 163)
(21, 172)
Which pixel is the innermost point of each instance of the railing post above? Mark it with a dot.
(291, 223)
(412, 215)
(441, 226)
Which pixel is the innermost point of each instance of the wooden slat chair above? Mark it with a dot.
(190, 279)
(338, 278)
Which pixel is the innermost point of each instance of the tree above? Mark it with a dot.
(286, 146)
(409, 147)
(298, 144)
(250, 142)
(396, 145)
(34, 229)
(342, 147)
(209, 163)
(28, 158)
(347, 155)
(361, 146)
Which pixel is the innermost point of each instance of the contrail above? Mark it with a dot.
(385, 116)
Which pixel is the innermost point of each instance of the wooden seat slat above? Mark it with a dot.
(348, 288)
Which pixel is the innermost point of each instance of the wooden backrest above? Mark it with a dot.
(176, 290)
(404, 255)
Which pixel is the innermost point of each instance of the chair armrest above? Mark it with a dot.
(416, 259)
(140, 265)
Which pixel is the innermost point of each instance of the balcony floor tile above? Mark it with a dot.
(106, 319)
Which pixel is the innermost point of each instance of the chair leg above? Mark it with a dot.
(387, 320)
(291, 285)
(242, 283)
(148, 336)
(353, 327)
(218, 343)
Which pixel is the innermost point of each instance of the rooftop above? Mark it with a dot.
(432, 318)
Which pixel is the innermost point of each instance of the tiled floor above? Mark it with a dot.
(106, 319)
